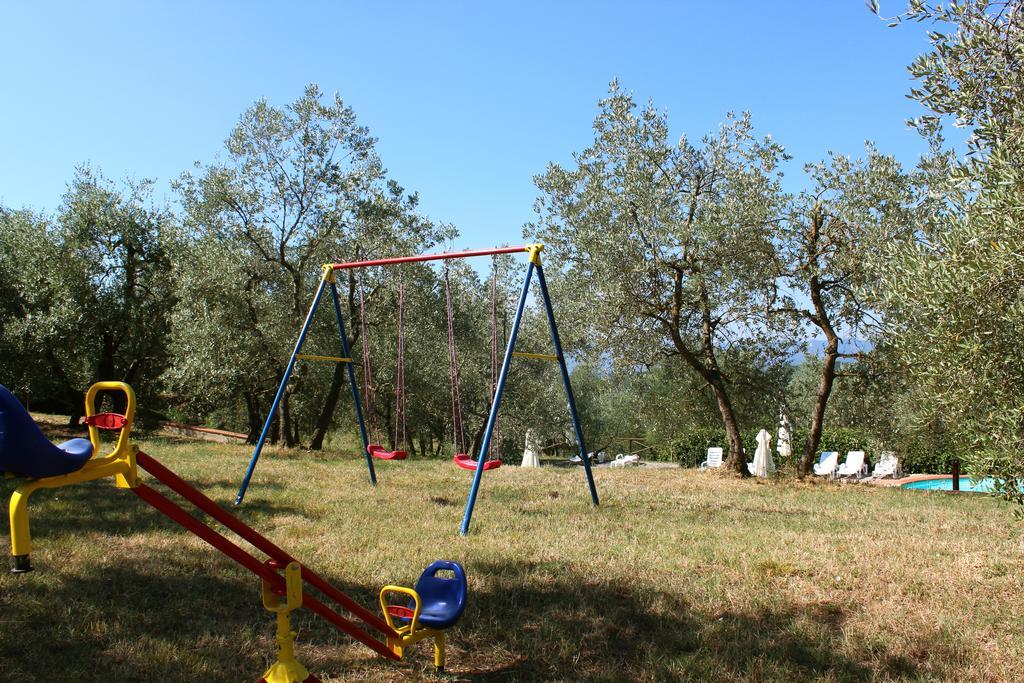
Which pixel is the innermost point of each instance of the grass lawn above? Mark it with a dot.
(679, 575)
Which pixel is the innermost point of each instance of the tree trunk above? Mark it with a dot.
(286, 421)
(323, 421)
(828, 376)
(705, 363)
(77, 411)
(820, 317)
(478, 440)
(386, 431)
(105, 364)
(252, 407)
(275, 426)
(737, 460)
(73, 397)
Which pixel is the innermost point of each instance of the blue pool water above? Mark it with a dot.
(966, 484)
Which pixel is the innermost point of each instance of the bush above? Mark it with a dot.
(917, 455)
(921, 458)
(690, 448)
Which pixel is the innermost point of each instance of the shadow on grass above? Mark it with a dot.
(168, 614)
(99, 507)
(575, 628)
(139, 613)
(145, 621)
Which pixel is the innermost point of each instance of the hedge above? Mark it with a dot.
(690, 447)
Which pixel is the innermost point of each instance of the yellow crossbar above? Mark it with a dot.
(332, 359)
(538, 356)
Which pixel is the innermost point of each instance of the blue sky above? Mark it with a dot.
(469, 100)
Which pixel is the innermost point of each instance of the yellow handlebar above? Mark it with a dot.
(129, 414)
(408, 629)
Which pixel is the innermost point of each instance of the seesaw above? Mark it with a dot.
(435, 603)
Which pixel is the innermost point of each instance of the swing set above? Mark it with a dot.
(486, 458)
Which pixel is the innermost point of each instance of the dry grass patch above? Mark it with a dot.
(679, 575)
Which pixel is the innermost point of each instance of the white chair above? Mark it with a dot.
(826, 465)
(714, 458)
(888, 465)
(623, 460)
(854, 465)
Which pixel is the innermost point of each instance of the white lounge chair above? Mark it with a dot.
(714, 458)
(854, 465)
(826, 465)
(623, 460)
(888, 465)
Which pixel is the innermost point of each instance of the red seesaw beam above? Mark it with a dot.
(262, 569)
(261, 543)
(429, 257)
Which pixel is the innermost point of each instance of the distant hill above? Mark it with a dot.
(816, 347)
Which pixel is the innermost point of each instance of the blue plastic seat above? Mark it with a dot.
(25, 450)
(442, 600)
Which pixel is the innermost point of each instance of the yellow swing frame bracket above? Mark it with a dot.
(534, 251)
(410, 633)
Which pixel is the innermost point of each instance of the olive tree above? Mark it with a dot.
(853, 206)
(666, 247)
(953, 290)
(87, 291)
(299, 186)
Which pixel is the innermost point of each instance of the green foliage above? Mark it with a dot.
(921, 454)
(301, 186)
(667, 246)
(665, 403)
(953, 291)
(86, 293)
(35, 309)
(690, 448)
(851, 207)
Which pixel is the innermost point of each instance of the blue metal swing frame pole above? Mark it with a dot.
(489, 430)
(565, 381)
(557, 342)
(280, 393)
(356, 403)
(328, 279)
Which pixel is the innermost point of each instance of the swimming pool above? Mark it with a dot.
(946, 484)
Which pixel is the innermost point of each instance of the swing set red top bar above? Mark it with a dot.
(435, 257)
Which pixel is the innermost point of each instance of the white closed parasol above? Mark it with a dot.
(763, 463)
(531, 454)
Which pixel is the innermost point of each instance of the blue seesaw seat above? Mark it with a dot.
(442, 599)
(25, 451)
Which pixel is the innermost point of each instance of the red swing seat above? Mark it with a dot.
(378, 451)
(468, 463)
